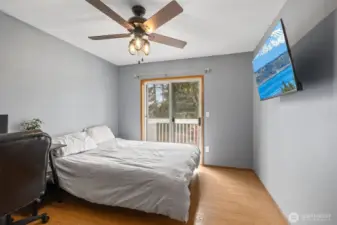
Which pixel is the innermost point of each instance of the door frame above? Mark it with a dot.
(142, 103)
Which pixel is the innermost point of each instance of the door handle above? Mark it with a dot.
(199, 121)
(173, 120)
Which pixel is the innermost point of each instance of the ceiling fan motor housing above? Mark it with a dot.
(139, 12)
(138, 31)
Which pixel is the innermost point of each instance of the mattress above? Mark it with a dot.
(147, 176)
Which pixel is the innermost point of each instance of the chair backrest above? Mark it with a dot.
(3, 124)
(23, 167)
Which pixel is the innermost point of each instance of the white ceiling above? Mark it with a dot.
(210, 27)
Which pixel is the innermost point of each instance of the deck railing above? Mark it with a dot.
(183, 131)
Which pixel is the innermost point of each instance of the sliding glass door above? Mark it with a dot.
(158, 113)
(172, 110)
(186, 112)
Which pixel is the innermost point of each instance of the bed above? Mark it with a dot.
(147, 176)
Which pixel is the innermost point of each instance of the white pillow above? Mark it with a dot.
(100, 134)
(76, 143)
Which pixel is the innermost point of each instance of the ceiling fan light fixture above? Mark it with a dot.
(146, 47)
(139, 42)
(132, 49)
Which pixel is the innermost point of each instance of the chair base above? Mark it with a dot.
(35, 206)
(43, 217)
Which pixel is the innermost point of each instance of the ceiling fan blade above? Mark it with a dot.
(109, 36)
(164, 15)
(110, 13)
(167, 40)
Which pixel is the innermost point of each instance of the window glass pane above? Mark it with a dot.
(185, 100)
(158, 100)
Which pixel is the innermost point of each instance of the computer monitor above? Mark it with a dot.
(3, 124)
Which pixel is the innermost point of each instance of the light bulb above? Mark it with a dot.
(132, 49)
(146, 47)
(138, 43)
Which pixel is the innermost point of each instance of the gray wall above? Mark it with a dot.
(295, 136)
(41, 76)
(228, 98)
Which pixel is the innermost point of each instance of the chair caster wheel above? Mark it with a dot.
(45, 219)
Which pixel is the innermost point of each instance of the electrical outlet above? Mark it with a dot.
(206, 149)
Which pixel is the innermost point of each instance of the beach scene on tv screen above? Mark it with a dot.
(272, 66)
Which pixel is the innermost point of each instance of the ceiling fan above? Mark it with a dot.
(141, 29)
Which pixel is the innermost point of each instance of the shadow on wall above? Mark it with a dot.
(314, 59)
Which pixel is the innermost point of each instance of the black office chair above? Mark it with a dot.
(23, 167)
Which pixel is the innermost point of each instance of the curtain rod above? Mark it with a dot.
(139, 76)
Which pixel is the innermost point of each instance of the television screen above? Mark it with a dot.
(273, 67)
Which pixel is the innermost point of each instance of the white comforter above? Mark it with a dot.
(147, 176)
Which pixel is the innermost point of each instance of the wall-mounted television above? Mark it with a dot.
(273, 66)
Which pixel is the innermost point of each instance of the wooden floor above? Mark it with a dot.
(219, 197)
